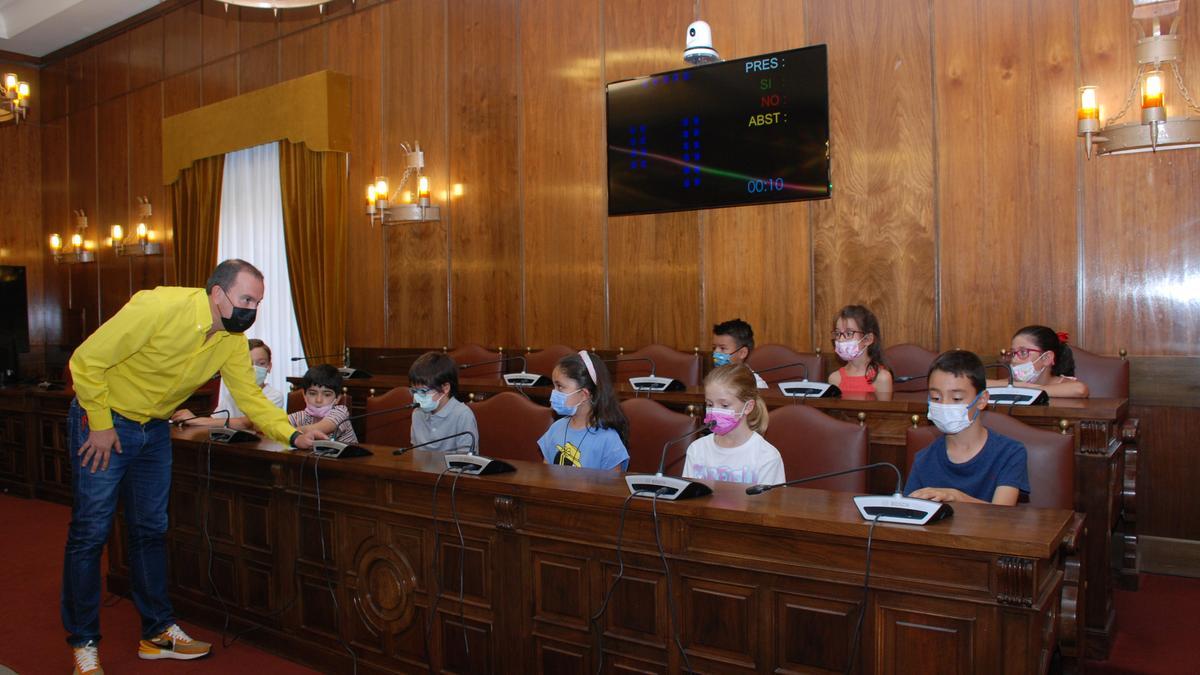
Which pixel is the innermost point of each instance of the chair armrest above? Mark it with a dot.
(1075, 534)
(1130, 430)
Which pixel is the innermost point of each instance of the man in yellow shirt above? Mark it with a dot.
(130, 375)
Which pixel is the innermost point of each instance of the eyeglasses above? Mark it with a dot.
(845, 334)
(1021, 353)
(419, 391)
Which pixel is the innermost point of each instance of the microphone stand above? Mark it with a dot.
(669, 487)
(895, 508)
(345, 371)
(468, 463)
(227, 434)
(338, 450)
(803, 388)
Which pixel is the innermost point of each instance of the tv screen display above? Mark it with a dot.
(749, 131)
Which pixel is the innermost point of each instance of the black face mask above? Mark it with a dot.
(240, 320)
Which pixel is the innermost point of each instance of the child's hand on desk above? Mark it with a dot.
(941, 495)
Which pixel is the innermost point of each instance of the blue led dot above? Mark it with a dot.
(696, 121)
(643, 163)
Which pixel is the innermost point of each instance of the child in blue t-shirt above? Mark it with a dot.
(970, 463)
(592, 430)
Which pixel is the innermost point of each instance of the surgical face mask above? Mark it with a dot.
(260, 375)
(558, 401)
(951, 418)
(318, 411)
(723, 420)
(848, 350)
(427, 400)
(240, 320)
(722, 359)
(1026, 372)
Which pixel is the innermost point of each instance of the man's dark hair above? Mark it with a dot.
(227, 271)
(323, 375)
(960, 362)
(433, 369)
(739, 330)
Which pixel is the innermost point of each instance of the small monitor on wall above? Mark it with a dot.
(749, 131)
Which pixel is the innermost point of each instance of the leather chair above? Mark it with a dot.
(668, 362)
(542, 362)
(510, 426)
(392, 428)
(1105, 376)
(473, 353)
(908, 360)
(812, 442)
(651, 426)
(773, 356)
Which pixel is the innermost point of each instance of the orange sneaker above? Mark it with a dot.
(172, 643)
(87, 659)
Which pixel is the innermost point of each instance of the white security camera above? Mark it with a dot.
(699, 48)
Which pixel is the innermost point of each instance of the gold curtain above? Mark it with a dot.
(196, 213)
(314, 186)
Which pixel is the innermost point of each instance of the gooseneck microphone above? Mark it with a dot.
(901, 379)
(471, 450)
(651, 382)
(226, 434)
(521, 379)
(339, 355)
(337, 450)
(786, 365)
(346, 371)
(469, 463)
(895, 508)
(669, 487)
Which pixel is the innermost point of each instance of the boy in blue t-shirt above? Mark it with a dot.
(970, 463)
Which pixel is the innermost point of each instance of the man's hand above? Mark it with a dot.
(98, 447)
(305, 440)
(182, 415)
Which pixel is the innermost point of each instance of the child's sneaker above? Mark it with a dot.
(172, 643)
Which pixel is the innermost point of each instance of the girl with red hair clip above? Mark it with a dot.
(1041, 359)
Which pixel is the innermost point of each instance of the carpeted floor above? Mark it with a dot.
(1157, 629)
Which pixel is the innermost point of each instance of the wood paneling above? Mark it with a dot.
(219, 80)
(81, 80)
(414, 112)
(218, 31)
(182, 43)
(145, 180)
(256, 26)
(53, 82)
(651, 256)
(1005, 83)
(112, 153)
(485, 243)
(303, 53)
(146, 54)
(82, 194)
(21, 241)
(562, 190)
(258, 67)
(181, 94)
(1168, 499)
(873, 242)
(56, 211)
(112, 67)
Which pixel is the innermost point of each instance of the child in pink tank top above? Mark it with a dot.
(857, 343)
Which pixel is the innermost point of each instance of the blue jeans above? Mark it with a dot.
(141, 477)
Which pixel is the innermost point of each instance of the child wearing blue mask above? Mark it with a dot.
(970, 463)
(732, 342)
(592, 431)
(260, 358)
(433, 381)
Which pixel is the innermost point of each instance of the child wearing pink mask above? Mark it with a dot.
(321, 385)
(857, 343)
(735, 451)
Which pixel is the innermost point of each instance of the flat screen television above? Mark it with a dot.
(750, 131)
(14, 319)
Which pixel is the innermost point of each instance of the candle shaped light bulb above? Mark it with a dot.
(55, 243)
(118, 234)
(89, 245)
(1152, 90)
(381, 188)
(23, 91)
(141, 231)
(150, 236)
(1088, 109)
(10, 85)
(423, 190)
(371, 194)
(77, 240)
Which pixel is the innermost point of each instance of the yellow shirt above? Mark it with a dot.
(148, 358)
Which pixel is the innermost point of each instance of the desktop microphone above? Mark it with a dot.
(338, 450)
(226, 434)
(669, 487)
(649, 382)
(901, 379)
(521, 379)
(1013, 395)
(803, 388)
(469, 463)
(886, 509)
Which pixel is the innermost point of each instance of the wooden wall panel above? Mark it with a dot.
(56, 216)
(651, 256)
(145, 180)
(1141, 242)
(51, 102)
(562, 165)
(485, 222)
(21, 241)
(873, 242)
(1004, 78)
(258, 67)
(757, 259)
(299, 19)
(354, 49)
(112, 67)
(82, 194)
(218, 30)
(113, 203)
(146, 54)
(219, 80)
(181, 94)
(182, 44)
(303, 53)
(414, 111)
(256, 26)
(81, 80)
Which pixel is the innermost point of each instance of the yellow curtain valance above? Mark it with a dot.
(314, 110)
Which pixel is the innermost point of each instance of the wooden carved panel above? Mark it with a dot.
(476, 567)
(317, 611)
(560, 590)
(256, 528)
(813, 633)
(1016, 581)
(387, 583)
(638, 606)
(220, 516)
(720, 621)
(466, 649)
(923, 642)
(259, 586)
(185, 502)
(311, 539)
(556, 657)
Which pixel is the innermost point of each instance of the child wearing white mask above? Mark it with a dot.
(970, 463)
(736, 451)
(260, 358)
(856, 341)
(433, 381)
(1041, 359)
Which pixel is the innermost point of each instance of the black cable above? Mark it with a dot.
(431, 617)
(613, 586)
(337, 611)
(462, 550)
(863, 610)
(208, 537)
(670, 594)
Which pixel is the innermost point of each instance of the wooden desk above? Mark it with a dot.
(1106, 481)
(758, 583)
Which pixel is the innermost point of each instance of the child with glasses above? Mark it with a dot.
(1041, 359)
(857, 342)
(433, 381)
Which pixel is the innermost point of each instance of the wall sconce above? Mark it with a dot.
(383, 206)
(143, 242)
(14, 99)
(79, 250)
(1155, 131)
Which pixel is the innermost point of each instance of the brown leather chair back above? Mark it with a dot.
(510, 426)
(907, 360)
(772, 356)
(392, 428)
(651, 426)
(542, 362)
(473, 353)
(812, 442)
(1105, 376)
(668, 362)
(295, 400)
(1050, 457)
